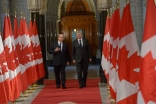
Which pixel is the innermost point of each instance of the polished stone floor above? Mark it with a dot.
(93, 72)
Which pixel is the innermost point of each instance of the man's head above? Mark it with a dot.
(60, 37)
(79, 34)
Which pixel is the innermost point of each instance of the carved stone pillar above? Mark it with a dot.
(103, 15)
(98, 54)
(42, 32)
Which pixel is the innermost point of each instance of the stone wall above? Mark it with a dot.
(19, 6)
(137, 16)
(4, 4)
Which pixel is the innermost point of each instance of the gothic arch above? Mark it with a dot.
(84, 1)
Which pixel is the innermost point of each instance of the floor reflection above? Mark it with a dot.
(93, 72)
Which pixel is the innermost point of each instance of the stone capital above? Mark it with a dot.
(43, 9)
(34, 5)
(102, 5)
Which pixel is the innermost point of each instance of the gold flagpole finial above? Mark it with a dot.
(127, 1)
(118, 4)
(21, 14)
(114, 8)
(108, 12)
(15, 14)
(30, 16)
(34, 17)
(6, 11)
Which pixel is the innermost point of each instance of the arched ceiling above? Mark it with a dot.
(54, 8)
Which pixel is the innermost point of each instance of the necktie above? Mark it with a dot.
(80, 43)
(60, 46)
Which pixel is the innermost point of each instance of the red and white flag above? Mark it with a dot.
(17, 54)
(5, 88)
(128, 62)
(20, 52)
(107, 53)
(147, 82)
(17, 79)
(10, 58)
(27, 53)
(38, 53)
(105, 62)
(114, 52)
(32, 41)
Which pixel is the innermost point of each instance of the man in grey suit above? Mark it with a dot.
(60, 53)
(81, 55)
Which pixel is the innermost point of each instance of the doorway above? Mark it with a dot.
(88, 26)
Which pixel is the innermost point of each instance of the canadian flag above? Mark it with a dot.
(114, 52)
(31, 51)
(17, 89)
(105, 62)
(14, 38)
(128, 62)
(19, 49)
(10, 58)
(29, 62)
(5, 88)
(147, 82)
(38, 53)
(107, 51)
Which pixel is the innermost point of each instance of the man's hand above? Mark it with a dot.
(57, 49)
(67, 63)
(74, 61)
(90, 59)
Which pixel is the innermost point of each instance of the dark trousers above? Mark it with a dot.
(82, 71)
(60, 70)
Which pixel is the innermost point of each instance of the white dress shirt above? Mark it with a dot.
(61, 44)
(81, 41)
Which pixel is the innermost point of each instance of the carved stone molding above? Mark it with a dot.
(34, 5)
(104, 4)
(4, 4)
(43, 7)
(77, 7)
(13, 7)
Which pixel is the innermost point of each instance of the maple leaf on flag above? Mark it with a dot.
(150, 65)
(114, 60)
(105, 51)
(7, 49)
(3, 64)
(127, 69)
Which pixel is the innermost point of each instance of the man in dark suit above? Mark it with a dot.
(81, 55)
(60, 60)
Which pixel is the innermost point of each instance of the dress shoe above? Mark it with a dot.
(84, 85)
(63, 87)
(57, 86)
(80, 87)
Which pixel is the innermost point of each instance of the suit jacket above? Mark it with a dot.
(61, 57)
(78, 53)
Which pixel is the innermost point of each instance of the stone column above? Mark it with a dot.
(103, 15)
(98, 54)
(43, 35)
